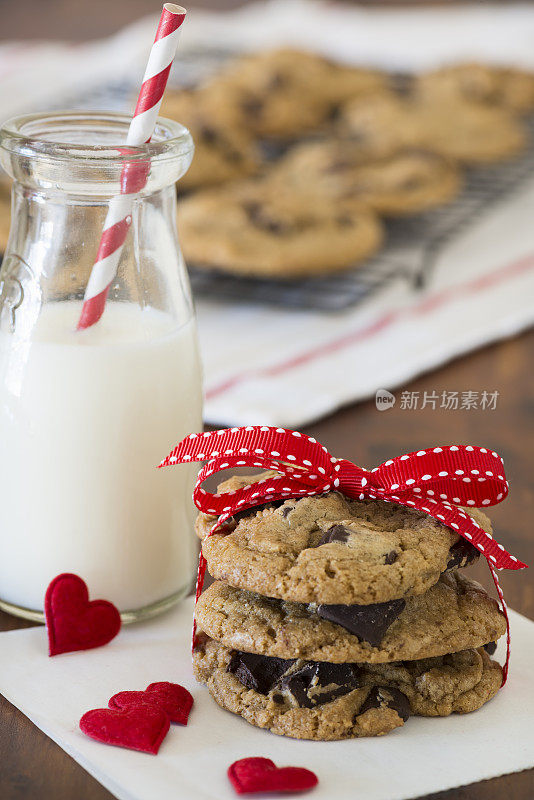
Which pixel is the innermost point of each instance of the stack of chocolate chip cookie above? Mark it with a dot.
(333, 618)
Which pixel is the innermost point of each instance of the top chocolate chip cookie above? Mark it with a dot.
(329, 549)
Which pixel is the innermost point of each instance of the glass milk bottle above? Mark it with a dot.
(86, 416)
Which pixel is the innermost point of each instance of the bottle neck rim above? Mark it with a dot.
(90, 146)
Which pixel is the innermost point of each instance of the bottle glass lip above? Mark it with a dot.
(94, 136)
(84, 152)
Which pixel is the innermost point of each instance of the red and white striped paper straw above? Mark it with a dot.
(134, 175)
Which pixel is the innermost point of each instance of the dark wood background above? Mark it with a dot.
(32, 767)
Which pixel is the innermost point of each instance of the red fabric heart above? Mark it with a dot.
(74, 623)
(250, 775)
(174, 699)
(138, 727)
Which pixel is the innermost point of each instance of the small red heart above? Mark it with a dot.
(74, 623)
(262, 775)
(174, 699)
(138, 727)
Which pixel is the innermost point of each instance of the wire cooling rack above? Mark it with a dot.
(412, 244)
(412, 247)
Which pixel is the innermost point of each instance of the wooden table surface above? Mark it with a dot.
(32, 767)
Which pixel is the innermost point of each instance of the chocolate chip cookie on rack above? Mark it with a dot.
(489, 84)
(471, 133)
(284, 93)
(252, 229)
(334, 618)
(224, 151)
(342, 169)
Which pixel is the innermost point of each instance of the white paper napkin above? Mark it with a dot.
(426, 755)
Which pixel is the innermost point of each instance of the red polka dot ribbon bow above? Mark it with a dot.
(437, 480)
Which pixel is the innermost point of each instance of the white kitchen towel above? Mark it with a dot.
(277, 366)
(426, 755)
(34, 74)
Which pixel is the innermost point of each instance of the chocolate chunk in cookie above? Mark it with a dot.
(261, 219)
(309, 684)
(387, 697)
(319, 682)
(369, 623)
(337, 533)
(462, 554)
(257, 672)
(490, 648)
(252, 106)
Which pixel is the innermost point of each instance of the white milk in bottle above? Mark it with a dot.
(87, 415)
(85, 418)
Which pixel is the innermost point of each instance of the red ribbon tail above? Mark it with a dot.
(201, 574)
(505, 612)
